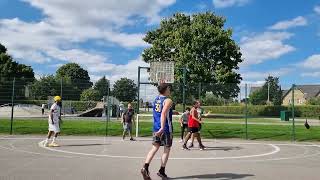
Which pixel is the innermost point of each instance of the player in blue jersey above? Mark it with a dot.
(162, 130)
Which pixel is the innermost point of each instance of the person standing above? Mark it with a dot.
(162, 131)
(42, 108)
(121, 109)
(54, 121)
(194, 125)
(127, 120)
(184, 122)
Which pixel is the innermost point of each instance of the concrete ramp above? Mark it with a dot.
(94, 112)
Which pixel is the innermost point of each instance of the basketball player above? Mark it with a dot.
(194, 125)
(162, 131)
(54, 122)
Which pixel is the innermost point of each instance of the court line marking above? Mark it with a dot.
(275, 150)
(283, 144)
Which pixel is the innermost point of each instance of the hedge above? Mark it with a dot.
(261, 110)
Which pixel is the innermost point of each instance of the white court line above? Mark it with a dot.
(113, 139)
(287, 158)
(276, 149)
(215, 158)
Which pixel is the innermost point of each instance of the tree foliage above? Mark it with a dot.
(260, 96)
(44, 87)
(125, 90)
(90, 95)
(200, 43)
(10, 69)
(314, 101)
(102, 86)
(78, 76)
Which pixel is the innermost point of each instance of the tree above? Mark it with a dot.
(125, 90)
(10, 69)
(78, 76)
(199, 43)
(102, 86)
(44, 87)
(314, 101)
(260, 97)
(90, 95)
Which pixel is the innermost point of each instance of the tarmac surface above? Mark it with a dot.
(95, 158)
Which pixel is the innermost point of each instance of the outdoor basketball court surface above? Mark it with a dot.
(95, 158)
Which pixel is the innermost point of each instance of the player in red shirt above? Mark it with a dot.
(193, 125)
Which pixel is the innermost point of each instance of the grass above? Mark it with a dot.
(217, 130)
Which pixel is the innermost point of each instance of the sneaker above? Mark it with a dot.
(145, 174)
(54, 144)
(184, 147)
(45, 144)
(181, 141)
(191, 145)
(162, 175)
(202, 147)
(131, 139)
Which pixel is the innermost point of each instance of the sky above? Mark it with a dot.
(280, 38)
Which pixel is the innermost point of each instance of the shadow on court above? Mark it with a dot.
(224, 176)
(223, 148)
(80, 145)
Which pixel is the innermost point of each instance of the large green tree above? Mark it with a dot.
(200, 43)
(260, 96)
(125, 90)
(44, 87)
(75, 79)
(78, 76)
(10, 69)
(90, 95)
(102, 86)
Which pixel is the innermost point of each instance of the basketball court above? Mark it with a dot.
(24, 157)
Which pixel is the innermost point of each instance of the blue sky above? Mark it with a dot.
(280, 38)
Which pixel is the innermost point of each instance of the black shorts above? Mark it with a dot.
(193, 129)
(164, 140)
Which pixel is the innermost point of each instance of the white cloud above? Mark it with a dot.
(250, 76)
(317, 9)
(229, 3)
(283, 25)
(265, 46)
(311, 74)
(66, 24)
(312, 62)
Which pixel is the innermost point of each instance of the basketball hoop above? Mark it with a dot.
(162, 72)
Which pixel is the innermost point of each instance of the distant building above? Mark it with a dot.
(302, 94)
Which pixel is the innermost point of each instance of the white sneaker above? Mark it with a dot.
(181, 141)
(46, 144)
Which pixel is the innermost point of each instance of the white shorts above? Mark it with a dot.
(54, 127)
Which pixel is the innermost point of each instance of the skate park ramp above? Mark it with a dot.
(94, 112)
(20, 110)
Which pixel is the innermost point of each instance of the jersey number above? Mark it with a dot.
(158, 108)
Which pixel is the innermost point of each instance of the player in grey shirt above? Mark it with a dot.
(184, 122)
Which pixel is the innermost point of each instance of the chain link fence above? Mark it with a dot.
(249, 111)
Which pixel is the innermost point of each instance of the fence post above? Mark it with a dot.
(184, 89)
(12, 104)
(293, 114)
(246, 109)
(108, 111)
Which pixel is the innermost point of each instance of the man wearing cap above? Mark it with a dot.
(54, 122)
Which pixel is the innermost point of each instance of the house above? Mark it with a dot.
(302, 94)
